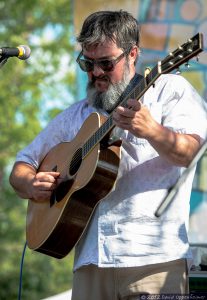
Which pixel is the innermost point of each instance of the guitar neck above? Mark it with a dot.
(136, 93)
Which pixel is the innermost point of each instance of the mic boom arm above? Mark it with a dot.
(173, 190)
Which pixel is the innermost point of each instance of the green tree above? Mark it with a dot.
(27, 90)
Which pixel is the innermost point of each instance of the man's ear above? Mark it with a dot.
(133, 55)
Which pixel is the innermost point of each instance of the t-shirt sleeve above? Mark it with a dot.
(184, 111)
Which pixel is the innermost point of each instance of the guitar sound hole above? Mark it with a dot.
(75, 162)
(59, 193)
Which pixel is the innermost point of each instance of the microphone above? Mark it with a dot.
(22, 52)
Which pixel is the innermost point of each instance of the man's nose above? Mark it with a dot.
(97, 71)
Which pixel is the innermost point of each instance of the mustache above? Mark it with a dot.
(101, 77)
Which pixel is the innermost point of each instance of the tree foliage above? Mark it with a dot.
(27, 90)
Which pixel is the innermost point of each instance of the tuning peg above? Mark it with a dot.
(180, 47)
(187, 65)
(178, 72)
(147, 71)
(197, 57)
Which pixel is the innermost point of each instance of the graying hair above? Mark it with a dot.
(118, 26)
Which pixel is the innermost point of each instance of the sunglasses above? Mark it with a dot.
(107, 65)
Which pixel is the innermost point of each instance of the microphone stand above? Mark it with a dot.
(173, 190)
(3, 60)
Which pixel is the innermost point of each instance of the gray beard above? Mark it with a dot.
(108, 100)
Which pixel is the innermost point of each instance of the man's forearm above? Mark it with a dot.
(177, 148)
(20, 178)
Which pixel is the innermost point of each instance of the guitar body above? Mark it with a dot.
(54, 227)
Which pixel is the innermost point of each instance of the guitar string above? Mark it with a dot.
(136, 93)
(92, 141)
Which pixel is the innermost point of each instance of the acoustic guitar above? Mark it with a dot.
(88, 167)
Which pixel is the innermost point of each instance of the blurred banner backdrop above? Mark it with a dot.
(165, 24)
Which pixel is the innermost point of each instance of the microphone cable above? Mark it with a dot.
(21, 271)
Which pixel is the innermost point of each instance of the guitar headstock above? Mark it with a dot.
(182, 54)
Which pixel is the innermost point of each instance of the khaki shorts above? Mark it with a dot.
(93, 283)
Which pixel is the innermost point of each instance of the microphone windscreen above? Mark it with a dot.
(25, 52)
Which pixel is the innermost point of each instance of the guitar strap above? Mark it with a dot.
(133, 82)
